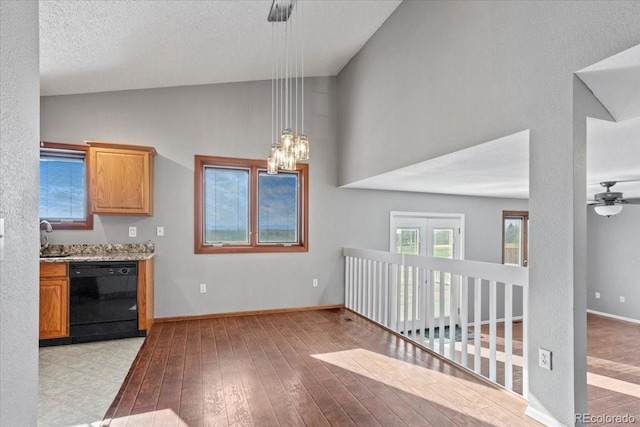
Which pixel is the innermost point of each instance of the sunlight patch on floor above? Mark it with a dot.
(159, 417)
(455, 393)
(613, 384)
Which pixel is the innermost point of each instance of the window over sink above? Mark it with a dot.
(64, 186)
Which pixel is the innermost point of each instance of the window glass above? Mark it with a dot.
(64, 184)
(513, 241)
(515, 238)
(240, 208)
(226, 205)
(443, 242)
(408, 241)
(278, 208)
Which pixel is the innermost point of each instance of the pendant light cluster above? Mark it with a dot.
(290, 144)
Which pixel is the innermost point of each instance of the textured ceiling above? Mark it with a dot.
(96, 46)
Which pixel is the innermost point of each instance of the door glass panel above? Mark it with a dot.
(442, 247)
(407, 242)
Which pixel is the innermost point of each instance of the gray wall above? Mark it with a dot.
(613, 263)
(223, 120)
(440, 76)
(20, 89)
(232, 120)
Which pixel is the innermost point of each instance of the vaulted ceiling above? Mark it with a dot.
(95, 46)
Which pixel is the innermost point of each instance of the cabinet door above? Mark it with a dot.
(54, 308)
(121, 181)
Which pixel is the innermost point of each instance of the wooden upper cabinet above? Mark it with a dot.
(121, 178)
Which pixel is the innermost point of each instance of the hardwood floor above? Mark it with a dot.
(613, 367)
(327, 367)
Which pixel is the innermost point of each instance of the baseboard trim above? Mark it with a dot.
(541, 417)
(614, 316)
(247, 313)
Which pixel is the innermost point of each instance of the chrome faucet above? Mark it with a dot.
(44, 240)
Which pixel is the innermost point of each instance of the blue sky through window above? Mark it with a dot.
(226, 205)
(278, 208)
(62, 188)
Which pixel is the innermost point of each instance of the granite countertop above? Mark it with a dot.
(101, 252)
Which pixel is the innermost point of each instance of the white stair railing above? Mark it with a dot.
(420, 296)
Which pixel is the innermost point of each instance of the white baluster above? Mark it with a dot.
(525, 342)
(452, 316)
(493, 299)
(440, 275)
(477, 325)
(508, 335)
(464, 318)
(431, 304)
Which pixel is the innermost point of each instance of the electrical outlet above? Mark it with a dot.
(544, 358)
(133, 231)
(159, 231)
(203, 288)
(597, 295)
(623, 299)
(315, 283)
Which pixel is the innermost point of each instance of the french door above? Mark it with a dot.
(432, 235)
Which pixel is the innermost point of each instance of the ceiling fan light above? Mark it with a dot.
(608, 210)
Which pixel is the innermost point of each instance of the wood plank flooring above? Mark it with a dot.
(613, 368)
(326, 367)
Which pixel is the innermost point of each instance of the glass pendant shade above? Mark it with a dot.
(287, 86)
(302, 147)
(287, 140)
(272, 165)
(289, 162)
(608, 210)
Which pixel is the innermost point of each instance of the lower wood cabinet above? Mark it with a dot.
(54, 300)
(145, 295)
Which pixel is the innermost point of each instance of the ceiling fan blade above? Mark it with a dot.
(616, 181)
(592, 202)
(633, 200)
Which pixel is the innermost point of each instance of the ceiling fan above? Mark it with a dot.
(610, 202)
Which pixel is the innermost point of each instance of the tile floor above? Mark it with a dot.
(77, 383)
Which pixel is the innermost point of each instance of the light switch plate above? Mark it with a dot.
(160, 231)
(133, 231)
(1, 239)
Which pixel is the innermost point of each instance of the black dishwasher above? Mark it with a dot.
(103, 301)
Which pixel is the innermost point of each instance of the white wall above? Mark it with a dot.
(613, 245)
(20, 89)
(440, 76)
